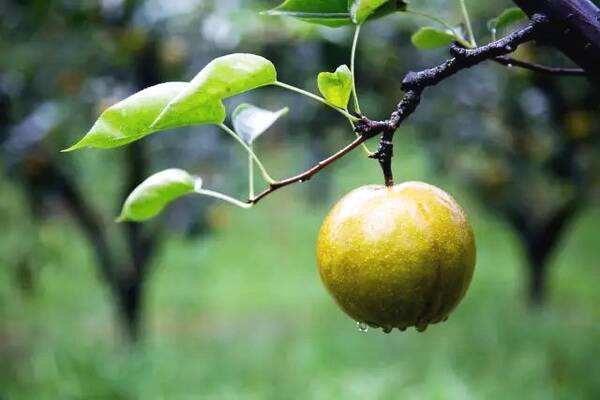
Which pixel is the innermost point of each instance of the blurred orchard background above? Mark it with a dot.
(213, 302)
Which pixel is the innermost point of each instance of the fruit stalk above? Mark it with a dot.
(384, 155)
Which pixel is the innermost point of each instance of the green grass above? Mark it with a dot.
(241, 314)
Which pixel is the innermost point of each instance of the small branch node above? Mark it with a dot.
(410, 80)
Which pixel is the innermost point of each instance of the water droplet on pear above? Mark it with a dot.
(362, 327)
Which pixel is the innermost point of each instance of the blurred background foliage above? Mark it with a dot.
(224, 303)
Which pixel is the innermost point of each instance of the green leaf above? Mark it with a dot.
(222, 78)
(250, 121)
(336, 86)
(131, 119)
(335, 13)
(431, 38)
(332, 13)
(361, 10)
(508, 17)
(156, 192)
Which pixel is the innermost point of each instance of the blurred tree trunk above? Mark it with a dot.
(25, 276)
(124, 274)
(38, 167)
(130, 301)
(141, 243)
(537, 275)
(539, 243)
(141, 247)
(43, 175)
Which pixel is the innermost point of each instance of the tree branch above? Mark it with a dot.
(413, 84)
(89, 221)
(574, 29)
(305, 176)
(512, 62)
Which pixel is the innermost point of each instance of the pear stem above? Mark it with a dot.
(384, 155)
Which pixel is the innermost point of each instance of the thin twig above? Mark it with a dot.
(305, 176)
(512, 62)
